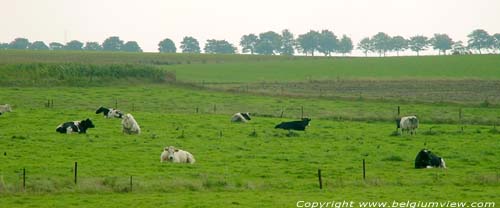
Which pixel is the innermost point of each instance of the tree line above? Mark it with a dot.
(325, 42)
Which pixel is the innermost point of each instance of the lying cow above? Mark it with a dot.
(171, 154)
(75, 127)
(109, 112)
(5, 108)
(241, 117)
(408, 124)
(130, 126)
(294, 125)
(427, 159)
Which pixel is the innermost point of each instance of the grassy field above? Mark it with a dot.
(242, 165)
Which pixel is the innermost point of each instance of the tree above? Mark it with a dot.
(398, 44)
(366, 45)
(19, 43)
(112, 43)
(327, 42)
(4, 46)
(190, 45)
(381, 43)
(441, 42)
(418, 43)
(345, 45)
(459, 48)
(167, 46)
(38, 45)
(496, 40)
(287, 43)
(248, 43)
(480, 39)
(309, 42)
(92, 46)
(131, 46)
(74, 45)
(269, 43)
(219, 47)
(56, 46)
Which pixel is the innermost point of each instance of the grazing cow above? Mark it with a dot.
(5, 108)
(294, 125)
(75, 127)
(408, 124)
(171, 154)
(241, 117)
(109, 112)
(130, 126)
(427, 159)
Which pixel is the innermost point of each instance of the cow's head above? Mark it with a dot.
(171, 151)
(306, 121)
(127, 117)
(116, 114)
(246, 116)
(87, 123)
(424, 158)
(102, 110)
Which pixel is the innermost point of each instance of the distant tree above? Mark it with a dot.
(190, 45)
(92, 46)
(167, 46)
(345, 45)
(74, 45)
(496, 38)
(248, 43)
(480, 39)
(366, 45)
(19, 43)
(381, 43)
(288, 43)
(458, 48)
(441, 42)
(269, 43)
(219, 47)
(131, 46)
(308, 42)
(4, 46)
(418, 43)
(56, 46)
(398, 44)
(112, 43)
(327, 42)
(38, 45)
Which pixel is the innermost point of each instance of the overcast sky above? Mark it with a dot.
(150, 21)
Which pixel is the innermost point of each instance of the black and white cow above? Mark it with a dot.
(427, 159)
(75, 127)
(241, 117)
(294, 125)
(109, 112)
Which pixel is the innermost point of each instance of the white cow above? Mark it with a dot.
(241, 117)
(5, 108)
(130, 126)
(408, 124)
(171, 154)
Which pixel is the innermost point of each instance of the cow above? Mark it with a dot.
(75, 127)
(408, 124)
(130, 126)
(109, 112)
(294, 125)
(427, 159)
(5, 108)
(172, 154)
(241, 117)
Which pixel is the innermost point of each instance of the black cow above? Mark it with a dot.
(427, 159)
(75, 126)
(109, 112)
(294, 125)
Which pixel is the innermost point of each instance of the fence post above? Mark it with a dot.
(319, 179)
(301, 112)
(364, 170)
(399, 111)
(76, 171)
(24, 179)
(220, 133)
(282, 111)
(215, 108)
(460, 119)
(116, 103)
(130, 183)
(196, 109)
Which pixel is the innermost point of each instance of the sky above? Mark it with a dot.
(150, 21)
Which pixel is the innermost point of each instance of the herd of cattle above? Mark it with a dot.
(409, 124)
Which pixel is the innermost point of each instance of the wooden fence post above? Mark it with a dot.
(24, 179)
(319, 179)
(116, 103)
(130, 183)
(364, 170)
(76, 171)
(399, 111)
(301, 112)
